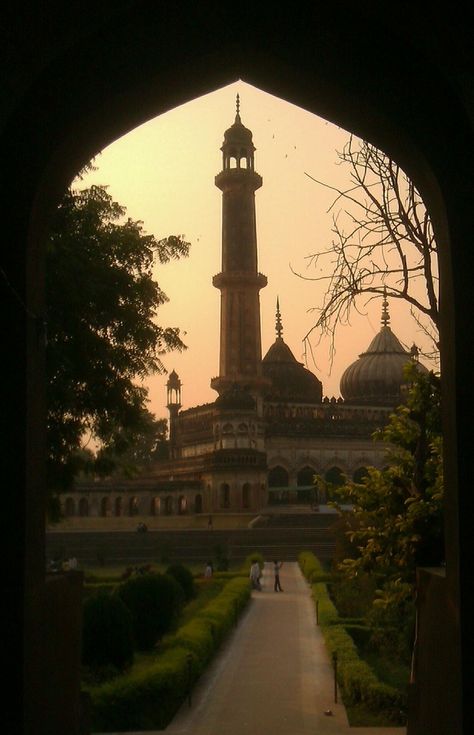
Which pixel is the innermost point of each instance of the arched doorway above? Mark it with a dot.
(324, 71)
(198, 503)
(83, 507)
(118, 507)
(105, 507)
(224, 495)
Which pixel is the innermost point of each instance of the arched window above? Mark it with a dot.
(225, 495)
(169, 505)
(278, 477)
(133, 506)
(305, 477)
(198, 503)
(83, 507)
(155, 506)
(69, 507)
(105, 507)
(335, 476)
(118, 507)
(360, 474)
(246, 495)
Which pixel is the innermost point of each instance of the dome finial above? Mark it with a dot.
(279, 325)
(385, 315)
(237, 108)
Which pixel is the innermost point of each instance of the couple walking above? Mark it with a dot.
(255, 575)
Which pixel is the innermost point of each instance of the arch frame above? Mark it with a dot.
(77, 91)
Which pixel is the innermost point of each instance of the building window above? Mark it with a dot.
(278, 477)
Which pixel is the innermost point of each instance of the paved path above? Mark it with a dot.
(273, 676)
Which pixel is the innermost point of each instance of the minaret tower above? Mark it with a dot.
(239, 281)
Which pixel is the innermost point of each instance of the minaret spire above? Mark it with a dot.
(279, 325)
(385, 315)
(237, 108)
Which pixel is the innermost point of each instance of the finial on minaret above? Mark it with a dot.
(279, 325)
(237, 108)
(385, 315)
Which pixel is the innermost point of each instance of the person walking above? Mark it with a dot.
(277, 565)
(255, 576)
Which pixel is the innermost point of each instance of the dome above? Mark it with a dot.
(290, 380)
(235, 398)
(377, 377)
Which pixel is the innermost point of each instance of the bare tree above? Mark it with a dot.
(383, 242)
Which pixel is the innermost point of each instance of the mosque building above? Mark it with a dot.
(270, 430)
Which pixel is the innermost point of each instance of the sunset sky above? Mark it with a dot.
(163, 173)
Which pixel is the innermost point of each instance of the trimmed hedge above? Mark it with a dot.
(154, 601)
(148, 699)
(107, 636)
(355, 677)
(184, 577)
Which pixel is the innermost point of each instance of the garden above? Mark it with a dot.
(148, 635)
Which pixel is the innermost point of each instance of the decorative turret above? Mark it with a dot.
(239, 281)
(173, 392)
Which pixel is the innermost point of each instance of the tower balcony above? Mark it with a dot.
(230, 177)
(240, 278)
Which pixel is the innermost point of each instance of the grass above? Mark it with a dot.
(220, 521)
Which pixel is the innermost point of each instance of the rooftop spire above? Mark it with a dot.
(279, 325)
(385, 315)
(237, 108)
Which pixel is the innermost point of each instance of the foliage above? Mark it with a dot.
(102, 336)
(382, 242)
(107, 638)
(185, 578)
(154, 601)
(357, 680)
(398, 510)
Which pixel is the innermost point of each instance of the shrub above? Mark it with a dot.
(154, 601)
(148, 699)
(185, 578)
(107, 635)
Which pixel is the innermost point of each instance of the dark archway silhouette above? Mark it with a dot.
(102, 70)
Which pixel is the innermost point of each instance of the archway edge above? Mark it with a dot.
(80, 77)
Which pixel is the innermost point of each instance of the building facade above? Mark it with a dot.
(270, 430)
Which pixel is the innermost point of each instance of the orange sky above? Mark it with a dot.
(163, 173)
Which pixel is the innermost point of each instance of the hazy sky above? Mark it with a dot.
(163, 173)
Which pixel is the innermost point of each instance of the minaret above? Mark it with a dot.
(239, 281)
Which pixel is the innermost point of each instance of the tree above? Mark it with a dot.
(396, 521)
(383, 243)
(102, 337)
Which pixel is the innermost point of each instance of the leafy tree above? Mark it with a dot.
(396, 522)
(132, 449)
(102, 335)
(398, 510)
(382, 242)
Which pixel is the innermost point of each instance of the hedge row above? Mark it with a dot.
(148, 699)
(355, 677)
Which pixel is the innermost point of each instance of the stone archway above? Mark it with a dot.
(317, 66)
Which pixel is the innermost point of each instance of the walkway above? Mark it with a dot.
(273, 676)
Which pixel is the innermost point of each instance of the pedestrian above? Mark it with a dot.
(209, 523)
(277, 565)
(255, 575)
(208, 570)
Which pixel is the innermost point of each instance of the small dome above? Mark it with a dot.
(235, 398)
(173, 380)
(290, 379)
(377, 377)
